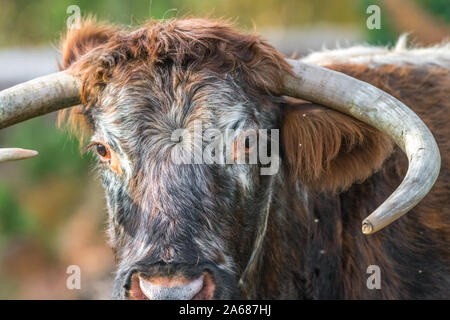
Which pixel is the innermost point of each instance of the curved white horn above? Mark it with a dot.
(382, 111)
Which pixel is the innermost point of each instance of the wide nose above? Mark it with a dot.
(178, 288)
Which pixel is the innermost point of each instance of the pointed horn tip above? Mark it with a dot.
(367, 227)
(13, 154)
(28, 153)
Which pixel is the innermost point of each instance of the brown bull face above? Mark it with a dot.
(180, 229)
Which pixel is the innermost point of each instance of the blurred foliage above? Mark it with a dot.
(59, 160)
(59, 151)
(34, 22)
(13, 219)
(386, 35)
(440, 8)
(40, 21)
(39, 199)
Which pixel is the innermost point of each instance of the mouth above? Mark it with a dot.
(176, 287)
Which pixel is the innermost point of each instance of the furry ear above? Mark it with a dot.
(77, 41)
(74, 44)
(328, 150)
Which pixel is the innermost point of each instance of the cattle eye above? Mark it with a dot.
(103, 151)
(107, 155)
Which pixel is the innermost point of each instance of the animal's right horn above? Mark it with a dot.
(35, 98)
(375, 107)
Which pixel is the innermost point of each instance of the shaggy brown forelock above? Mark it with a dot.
(98, 53)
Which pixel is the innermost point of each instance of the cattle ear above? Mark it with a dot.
(328, 150)
(87, 36)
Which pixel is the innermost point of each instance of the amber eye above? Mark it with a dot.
(102, 150)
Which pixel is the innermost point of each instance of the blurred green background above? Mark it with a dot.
(52, 211)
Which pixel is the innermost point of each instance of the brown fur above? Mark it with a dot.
(328, 150)
(413, 252)
(96, 53)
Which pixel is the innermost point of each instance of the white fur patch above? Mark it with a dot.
(376, 56)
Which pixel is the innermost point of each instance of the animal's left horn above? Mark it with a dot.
(35, 98)
(382, 111)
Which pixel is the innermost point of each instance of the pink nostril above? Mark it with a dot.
(170, 289)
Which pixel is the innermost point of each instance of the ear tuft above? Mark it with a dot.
(78, 41)
(328, 150)
(74, 44)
